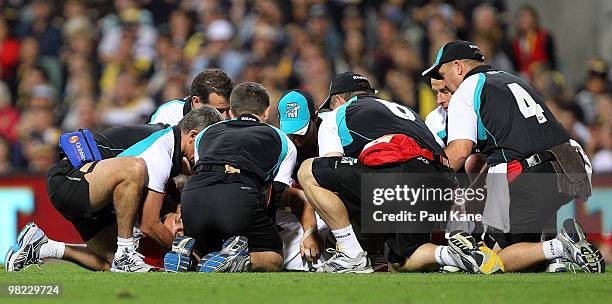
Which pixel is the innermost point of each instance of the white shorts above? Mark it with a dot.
(291, 233)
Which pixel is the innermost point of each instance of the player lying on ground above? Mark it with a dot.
(237, 163)
(331, 182)
(524, 144)
(103, 199)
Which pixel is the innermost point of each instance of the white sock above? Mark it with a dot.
(443, 257)
(347, 241)
(124, 244)
(52, 250)
(552, 249)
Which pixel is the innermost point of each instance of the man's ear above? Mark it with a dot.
(232, 115)
(195, 101)
(266, 114)
(458, 64)
(192, 135)
(337, 101)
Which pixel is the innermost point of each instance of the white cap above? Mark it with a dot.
(219, 30)
(43, 91)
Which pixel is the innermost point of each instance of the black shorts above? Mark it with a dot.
(213, 211)
(343, 176)
(534, 202)
(69, 193)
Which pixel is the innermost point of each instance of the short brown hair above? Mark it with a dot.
(211, 81)
(249, 98)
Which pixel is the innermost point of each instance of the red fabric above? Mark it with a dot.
(536, 53)
(514, 170)
(393, 148)
(154, 254)
(9, 56)
(9, 119)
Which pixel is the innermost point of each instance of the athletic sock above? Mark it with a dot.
(443, 257)
(52, 250)
(553, 249)
(124, 244)
(347, 241)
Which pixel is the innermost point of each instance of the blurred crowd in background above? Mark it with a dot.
(92, 64)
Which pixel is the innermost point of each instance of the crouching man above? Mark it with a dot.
(242, 168)
(102, 199)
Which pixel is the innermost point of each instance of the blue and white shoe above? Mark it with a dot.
(233, 257)
(179, 258)
(27, 250)
(578, 250)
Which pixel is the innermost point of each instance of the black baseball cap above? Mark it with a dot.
(454, 50)
(347, 82)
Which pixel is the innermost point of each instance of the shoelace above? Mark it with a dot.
(463, 247)
(572, 267)
(334, 252)
(136, 257)
(37, 263)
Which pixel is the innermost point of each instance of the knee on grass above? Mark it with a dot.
(267, 261)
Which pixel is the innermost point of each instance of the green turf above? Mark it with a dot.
(81, 286)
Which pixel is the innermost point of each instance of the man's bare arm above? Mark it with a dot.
(458, 151)
(150, 222)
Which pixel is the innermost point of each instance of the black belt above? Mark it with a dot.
(210, 168)
(537, 159)
(226, 168)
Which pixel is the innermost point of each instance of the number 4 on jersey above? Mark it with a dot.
(526, 104)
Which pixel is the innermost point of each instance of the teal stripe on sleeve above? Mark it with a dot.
(482, 130)
(441, 134)
(141, 146)
(343, 132)
(283, 154)
(482, 135)
(182, 102)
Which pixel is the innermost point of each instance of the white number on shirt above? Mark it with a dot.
(399, 110)
(526, 104)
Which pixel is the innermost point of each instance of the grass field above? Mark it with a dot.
(81, 286)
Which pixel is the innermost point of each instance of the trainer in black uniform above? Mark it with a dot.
(508, 121)
(242, 167)
(358, 119)
(134, 158)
